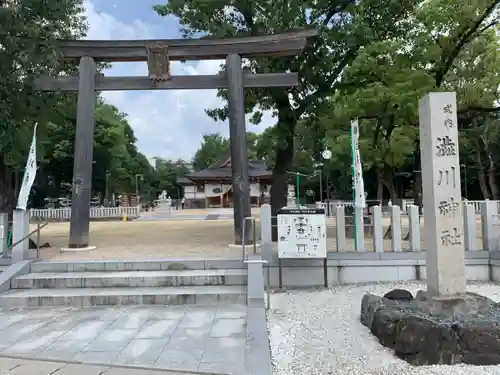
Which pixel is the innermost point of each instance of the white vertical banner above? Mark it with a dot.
(29, 175)
(359, 186)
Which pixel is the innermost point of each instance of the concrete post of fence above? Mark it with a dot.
(4, 233)
(266, 241)
(488, 217)
(331, 208)
(20, 229)
(470, 240)
(414, 227)
(340, 228)
(378, 233)
(396, 228)
(360, 229)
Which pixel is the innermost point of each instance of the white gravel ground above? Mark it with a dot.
(318, 332)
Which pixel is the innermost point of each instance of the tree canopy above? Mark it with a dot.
(373, 60)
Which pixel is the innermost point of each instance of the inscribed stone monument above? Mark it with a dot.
(443, 225)
(444, 325)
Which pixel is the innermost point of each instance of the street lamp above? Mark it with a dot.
(319, 167)
(137, 185)
(327, 154)
(107, 188)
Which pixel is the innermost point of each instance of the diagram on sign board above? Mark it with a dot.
(301, 235)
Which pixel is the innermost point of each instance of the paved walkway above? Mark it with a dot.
(208, 339)
(162, 214)
(16, 366)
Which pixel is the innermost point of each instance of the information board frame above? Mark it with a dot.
(300, 223)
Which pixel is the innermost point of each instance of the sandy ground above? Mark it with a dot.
(146, 239)
(175, 239)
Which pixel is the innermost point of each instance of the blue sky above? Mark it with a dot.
(167, 123)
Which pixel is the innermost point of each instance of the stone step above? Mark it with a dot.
(129, 279)
(82, 297)
(136, 265)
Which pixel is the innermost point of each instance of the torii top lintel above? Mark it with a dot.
(285, 44)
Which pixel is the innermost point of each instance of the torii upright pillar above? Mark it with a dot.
(83, 159)
(238, 145)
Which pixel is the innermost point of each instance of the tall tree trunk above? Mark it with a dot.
(492, 180)
(284, 158)
(7, 192)
(380, 185)
(388, 180)
(17, 182)
(389, 184)
(483, 185)
(481, 176)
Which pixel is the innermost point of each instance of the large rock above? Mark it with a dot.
(369, 306)
(479, 342)
(421, 341)
(399, 295)
(385, 324)
(430, 331)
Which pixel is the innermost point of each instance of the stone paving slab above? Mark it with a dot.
(188, 338)
(20, 366)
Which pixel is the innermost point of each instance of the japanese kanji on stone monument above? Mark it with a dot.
(443, 222)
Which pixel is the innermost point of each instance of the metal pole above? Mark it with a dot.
(137, 188)
(107, 191)
(84, 147)
(244, 242)
(297, 182)
(321, 184)
(254, 237)
(268, 285)
(327, 196)
(238, 145)
(38, 240)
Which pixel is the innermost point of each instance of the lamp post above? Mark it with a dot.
(327, 154)
(319, 169)
(137, 185)
(107, 188)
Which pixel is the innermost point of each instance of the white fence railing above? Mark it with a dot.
(404, 205)
(399, 231)
(95, 213)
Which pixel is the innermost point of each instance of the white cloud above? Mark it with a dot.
(166, 123)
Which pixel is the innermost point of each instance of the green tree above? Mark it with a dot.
(29, 29)
(395, 76)
(213, 147)
(116, 158)
(445, 35)
(168, 171)
(345, 26)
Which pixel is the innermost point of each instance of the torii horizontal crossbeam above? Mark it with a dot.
(286, 44)
(193, 82)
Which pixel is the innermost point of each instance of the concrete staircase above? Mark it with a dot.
(128, 283)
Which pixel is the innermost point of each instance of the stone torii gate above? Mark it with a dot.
(158, 54)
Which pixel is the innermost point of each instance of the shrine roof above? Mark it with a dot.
(222, 170)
